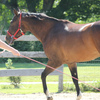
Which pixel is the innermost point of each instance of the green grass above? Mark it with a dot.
(89, 72)
(27, 89)
(85, 73)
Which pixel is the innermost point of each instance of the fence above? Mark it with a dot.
(28, 72)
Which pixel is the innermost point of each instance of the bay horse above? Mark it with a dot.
(64, 42)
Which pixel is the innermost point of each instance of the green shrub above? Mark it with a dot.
(83, 87)
(15, 80)
(68, 87)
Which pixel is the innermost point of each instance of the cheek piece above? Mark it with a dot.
(19, 29)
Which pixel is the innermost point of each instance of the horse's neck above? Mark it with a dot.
(40, 29)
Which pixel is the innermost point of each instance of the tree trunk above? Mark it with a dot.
(47, 5)
(31, 4)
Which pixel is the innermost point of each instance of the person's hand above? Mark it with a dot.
(16, 52)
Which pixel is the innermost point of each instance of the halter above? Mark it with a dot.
(19, 29)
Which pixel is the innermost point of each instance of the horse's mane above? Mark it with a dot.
(38, 15)
(30, 14)
(42, 16)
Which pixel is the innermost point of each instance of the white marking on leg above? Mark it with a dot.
(47, 94)
(85, 26)
(79, 96)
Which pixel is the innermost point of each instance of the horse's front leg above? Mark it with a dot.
(45, 73)
(73, 70)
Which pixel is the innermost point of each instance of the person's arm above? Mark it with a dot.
(3, 45)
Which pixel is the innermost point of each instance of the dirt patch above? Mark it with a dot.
(58, 96)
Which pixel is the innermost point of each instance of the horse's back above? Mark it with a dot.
(72, 45)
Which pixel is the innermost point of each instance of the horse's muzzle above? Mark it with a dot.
(9, 40)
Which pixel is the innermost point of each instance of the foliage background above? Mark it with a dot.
(78, 11)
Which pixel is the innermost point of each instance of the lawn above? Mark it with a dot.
(27, 89)
(86, 72)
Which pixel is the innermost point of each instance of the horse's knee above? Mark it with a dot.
(43, 75)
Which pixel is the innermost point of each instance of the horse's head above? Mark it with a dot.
(15, 29)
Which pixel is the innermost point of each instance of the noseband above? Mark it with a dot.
(19, 29)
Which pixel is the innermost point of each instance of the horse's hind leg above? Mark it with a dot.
(45, 73)
(73, 70)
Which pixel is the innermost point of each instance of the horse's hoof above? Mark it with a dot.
(49, 98)
(79, 97)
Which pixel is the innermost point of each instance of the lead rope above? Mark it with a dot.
(59, 71)
(55, 70)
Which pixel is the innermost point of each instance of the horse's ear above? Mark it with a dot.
(15, 12)
(19, 10)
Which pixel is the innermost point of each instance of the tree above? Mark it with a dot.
(10, 4)
(73, 10)
(31, 5)
(47, 5)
